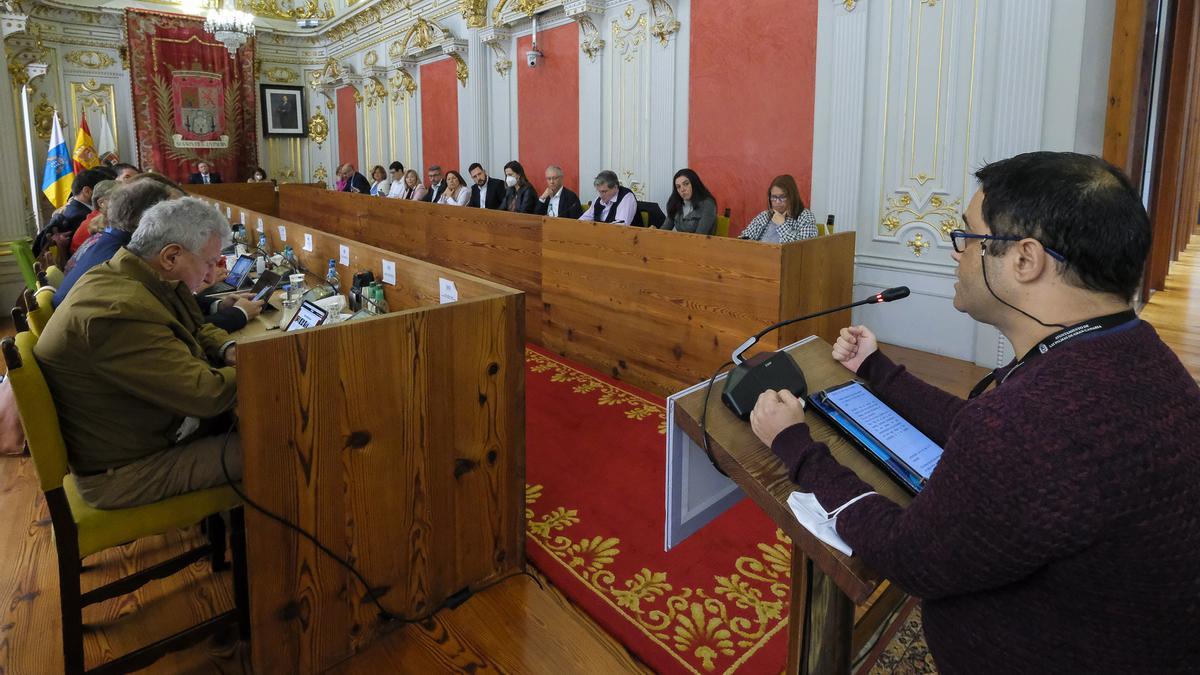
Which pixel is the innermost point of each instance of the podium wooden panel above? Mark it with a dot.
(825, 583)
(658, 309)
(397, 440)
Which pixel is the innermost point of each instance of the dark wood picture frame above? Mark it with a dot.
(279, 103)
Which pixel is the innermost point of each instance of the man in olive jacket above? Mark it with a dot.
(134, 370)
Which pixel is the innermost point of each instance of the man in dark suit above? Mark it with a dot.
(66, 220)
(492, 189)
(557, 200)
(355, 181)
(204, 175)
(437, 185)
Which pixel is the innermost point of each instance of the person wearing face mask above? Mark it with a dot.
(519, 197)
(691, 207)
(140, 381)
(786, 219)
(556, 200)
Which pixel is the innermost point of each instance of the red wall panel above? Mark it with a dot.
(347, 127)
(548, 107)
(439, 117)
(750, 106)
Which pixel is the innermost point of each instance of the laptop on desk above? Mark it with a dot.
(238, 276)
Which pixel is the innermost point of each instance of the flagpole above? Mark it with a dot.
(33, 181)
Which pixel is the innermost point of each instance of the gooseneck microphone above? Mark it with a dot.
(777, 370)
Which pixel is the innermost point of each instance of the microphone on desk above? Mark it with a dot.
(777, 370)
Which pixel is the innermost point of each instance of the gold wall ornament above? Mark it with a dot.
(43, 119)
(849, 5)
(403, 85)
(627, 38)
(527, 7)
(592, 44)
(288, 9)
(318, 128)
(938, 214)
(370, 58)
(422, 36)
(320, 175)
(329, 105)
(460, 69)
(474, 12)
(90, 59)
(282, 75)
(665, 24)
(917, 244)
(358, 97)
(314, 78)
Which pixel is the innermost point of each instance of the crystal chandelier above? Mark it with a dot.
(231, 27)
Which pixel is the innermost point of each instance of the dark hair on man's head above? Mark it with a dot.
(699, 192)
(126, 206)
(785, 182)
(122, 166)
(396, 166)
(475, 165)
(89, 179)
(1079, 205)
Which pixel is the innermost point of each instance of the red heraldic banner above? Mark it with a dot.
(191, 101)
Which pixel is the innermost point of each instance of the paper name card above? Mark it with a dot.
(243, 215)
(228, 213)
(282, 233)
(389, 272)
(447, 291)
(259, 227)
(308, 246)
(344, 254)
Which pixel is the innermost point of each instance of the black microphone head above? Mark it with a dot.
(893, 294)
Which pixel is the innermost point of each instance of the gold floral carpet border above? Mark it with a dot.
(704, 628)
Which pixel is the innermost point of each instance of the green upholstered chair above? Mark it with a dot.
(81, 530)
(41, 308)
(722, 225)
(22, 250)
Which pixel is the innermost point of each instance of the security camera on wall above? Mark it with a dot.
(533, 56)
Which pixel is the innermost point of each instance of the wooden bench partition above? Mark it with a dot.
(260, 197)
(658, 309)
(397, 440)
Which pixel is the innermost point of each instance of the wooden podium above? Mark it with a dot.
(825, 584)
(397, 440)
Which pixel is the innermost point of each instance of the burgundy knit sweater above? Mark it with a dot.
(1060, 532)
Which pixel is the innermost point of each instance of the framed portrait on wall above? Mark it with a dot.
(282, 110)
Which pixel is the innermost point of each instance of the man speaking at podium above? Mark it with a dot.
(1058, 532)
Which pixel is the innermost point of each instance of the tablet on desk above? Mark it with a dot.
(265, 286)
(879, 432)
(308, 316)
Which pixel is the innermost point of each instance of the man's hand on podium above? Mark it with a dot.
(853, 346)
(774, 412)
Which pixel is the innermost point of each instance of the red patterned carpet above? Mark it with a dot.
(595, 471)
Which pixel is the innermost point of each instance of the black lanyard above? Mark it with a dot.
(1090, 327)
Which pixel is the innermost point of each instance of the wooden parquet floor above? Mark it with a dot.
(512, 627)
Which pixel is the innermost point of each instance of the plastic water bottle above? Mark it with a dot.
(332, 278)
(262, 243)
(260, 261)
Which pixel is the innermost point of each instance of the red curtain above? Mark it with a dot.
(191, 101)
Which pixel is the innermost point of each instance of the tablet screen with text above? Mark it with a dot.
(916, 450)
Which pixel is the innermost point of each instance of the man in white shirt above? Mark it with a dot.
(614, 203)
(557, 201)
(398, 186)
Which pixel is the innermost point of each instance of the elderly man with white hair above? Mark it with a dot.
(144, 388)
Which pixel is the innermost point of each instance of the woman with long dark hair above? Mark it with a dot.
(786, 219)
(691, 207)
(457, 193)
(519, 197)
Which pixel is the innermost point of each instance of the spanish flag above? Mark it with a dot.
(85, 150)
(57, 176)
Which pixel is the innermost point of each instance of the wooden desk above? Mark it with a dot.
(261, 197)
(397, 440)
(825, 583)
(657, 309)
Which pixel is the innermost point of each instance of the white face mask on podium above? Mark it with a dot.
(510, 181)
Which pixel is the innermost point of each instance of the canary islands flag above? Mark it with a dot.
(85, 150)
(57, 177)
